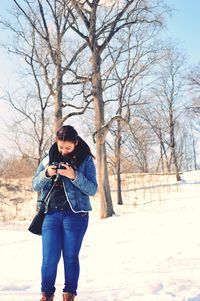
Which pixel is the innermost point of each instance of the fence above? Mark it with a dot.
(18, 201)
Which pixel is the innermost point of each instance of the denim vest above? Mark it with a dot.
(77, 191)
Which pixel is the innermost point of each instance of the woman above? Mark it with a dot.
(65, 179)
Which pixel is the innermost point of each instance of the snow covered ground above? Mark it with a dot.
(146, 253)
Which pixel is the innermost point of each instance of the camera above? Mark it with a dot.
(58, 165)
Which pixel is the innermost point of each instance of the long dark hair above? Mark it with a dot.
(81, 151)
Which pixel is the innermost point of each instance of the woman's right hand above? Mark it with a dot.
(51, 171)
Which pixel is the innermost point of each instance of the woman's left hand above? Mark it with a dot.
(68, 172)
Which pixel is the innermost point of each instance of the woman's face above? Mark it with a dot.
(66, 147)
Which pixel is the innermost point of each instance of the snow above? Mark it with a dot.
(149, 252)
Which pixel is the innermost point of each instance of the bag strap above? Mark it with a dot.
(47, 198)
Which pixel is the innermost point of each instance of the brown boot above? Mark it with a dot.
(46, 297)
(68, 296)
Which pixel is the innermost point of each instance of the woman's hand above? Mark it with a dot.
(51, 171)
(68, 172)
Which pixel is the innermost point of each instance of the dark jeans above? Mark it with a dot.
(62, 232)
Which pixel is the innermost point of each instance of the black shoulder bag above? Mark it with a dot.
(36, 224)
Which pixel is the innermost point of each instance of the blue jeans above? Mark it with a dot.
(62, 232)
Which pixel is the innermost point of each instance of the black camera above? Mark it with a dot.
(58, 165)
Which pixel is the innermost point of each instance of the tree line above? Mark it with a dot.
(104, 64)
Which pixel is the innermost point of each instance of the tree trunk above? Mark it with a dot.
(58, 99)
(167, 164)
(118, 164)
(102, 170)
(103, 181)
(161, 159)
(194, 153)
(172, 144)
(178, 178)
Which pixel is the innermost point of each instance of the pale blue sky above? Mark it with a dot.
(184, 26)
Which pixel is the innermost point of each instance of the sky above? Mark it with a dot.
(149, 252)
(183, 26)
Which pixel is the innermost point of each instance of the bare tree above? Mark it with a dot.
(151, 115)
(194, 77)
(38, 32)
(31, 128)
(97, 25)
(193, 110)
(43, 37)
(191, 133)
(194, 88)
(128, 82)
(169, 105)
